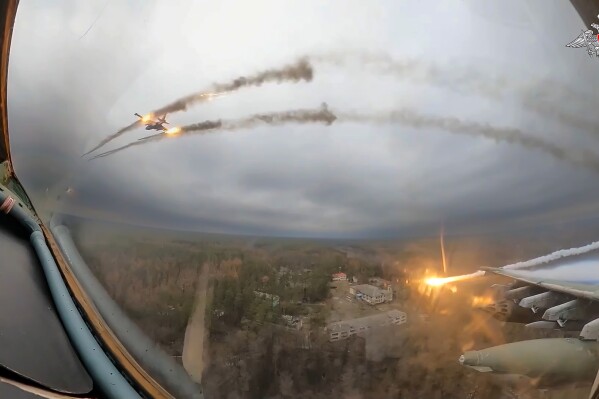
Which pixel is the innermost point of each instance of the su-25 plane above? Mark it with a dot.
(561, 294)
(153, 124)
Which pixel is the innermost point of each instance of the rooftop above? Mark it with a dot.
(376, 320)
(369, 290)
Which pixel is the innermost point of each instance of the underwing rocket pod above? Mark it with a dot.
(510, 312)
(549, 362)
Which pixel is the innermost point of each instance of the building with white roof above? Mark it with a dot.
(371, 294)
(347, 328)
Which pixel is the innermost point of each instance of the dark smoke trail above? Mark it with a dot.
(300, 70)
(320, 115)
(114, 136)
(542, 96)
(104, 154)
(411, 118)
(196, 127)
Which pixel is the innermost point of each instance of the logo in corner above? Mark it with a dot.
(588, 39)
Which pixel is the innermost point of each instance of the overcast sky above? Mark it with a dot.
(79, 70)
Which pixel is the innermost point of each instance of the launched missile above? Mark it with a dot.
(549, 362)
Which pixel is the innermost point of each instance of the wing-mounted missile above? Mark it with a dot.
(543, 300)
(570, 325)
(517, 294)
(590, 331)
(549, 362)
(577, 309)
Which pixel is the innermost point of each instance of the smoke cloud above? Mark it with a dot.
(585, 158)
(542, 96)
(319, 115)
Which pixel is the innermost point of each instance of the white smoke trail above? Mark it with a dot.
(562, 253)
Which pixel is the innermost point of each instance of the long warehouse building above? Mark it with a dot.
(347, 328)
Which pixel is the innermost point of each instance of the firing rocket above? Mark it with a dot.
(548, 362)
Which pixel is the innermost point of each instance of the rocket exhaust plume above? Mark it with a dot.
(202, 126)
(114, 136)
(295, 72)
(299, 70)
(554, 256)
(542, 96)
(416, 120)
(439, 281)
(318, 115)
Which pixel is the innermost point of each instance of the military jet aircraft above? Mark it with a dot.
(561, 294)
(153, 124)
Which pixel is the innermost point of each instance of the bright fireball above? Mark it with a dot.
(173, 130)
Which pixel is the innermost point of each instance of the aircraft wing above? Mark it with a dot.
(560, 294)
(577, 289)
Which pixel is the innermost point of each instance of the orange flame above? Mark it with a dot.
(213, 95)
(173, 130)
(482, 300)
(439, 281)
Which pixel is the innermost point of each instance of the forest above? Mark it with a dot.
(249, 352)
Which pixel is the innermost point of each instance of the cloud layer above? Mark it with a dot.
(67, 92)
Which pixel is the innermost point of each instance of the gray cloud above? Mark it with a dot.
(582, 157)
(547, 97)
(347, 179)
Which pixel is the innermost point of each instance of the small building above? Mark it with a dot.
(379, 282)
(371, 294)
(339, 276)
(273, 298)
(347, 328)
(293, 321)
